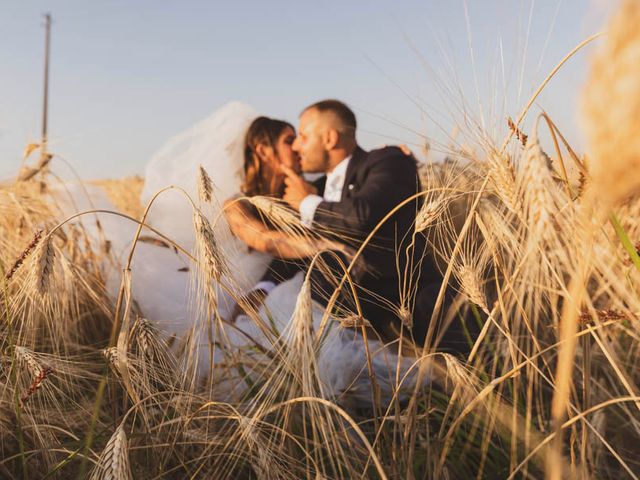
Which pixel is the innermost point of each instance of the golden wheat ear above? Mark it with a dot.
(503, 179)
(37, 371)
(611, 105)
(279, 213)
(114, 459)
(537, 188)
(23, 256)
(43, 263)
(205, 185)
(471, 285)
(430, 212)
(207, 247)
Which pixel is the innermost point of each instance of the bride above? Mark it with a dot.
(241, 153)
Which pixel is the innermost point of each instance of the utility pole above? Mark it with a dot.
(26, 173)
(45, 99)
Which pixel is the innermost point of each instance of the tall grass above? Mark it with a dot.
(550, 387)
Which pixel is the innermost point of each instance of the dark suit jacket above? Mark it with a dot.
(375, 183)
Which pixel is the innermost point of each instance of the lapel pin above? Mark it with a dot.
(351, 186)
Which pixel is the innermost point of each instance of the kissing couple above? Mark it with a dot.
(355, 203)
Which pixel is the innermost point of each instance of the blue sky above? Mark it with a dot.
(126, 75)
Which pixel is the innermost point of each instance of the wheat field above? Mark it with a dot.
(546, 261)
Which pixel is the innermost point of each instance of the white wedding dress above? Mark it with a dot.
(162, 280)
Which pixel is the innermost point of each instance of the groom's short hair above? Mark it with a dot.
(344, 114)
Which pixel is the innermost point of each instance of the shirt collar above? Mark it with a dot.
(341, 169)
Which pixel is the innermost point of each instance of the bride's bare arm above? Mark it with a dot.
(251, 230)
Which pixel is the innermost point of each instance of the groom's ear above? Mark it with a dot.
(332, 137)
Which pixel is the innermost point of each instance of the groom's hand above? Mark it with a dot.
(296, 188)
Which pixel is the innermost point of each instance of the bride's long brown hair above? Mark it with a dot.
(263, 131)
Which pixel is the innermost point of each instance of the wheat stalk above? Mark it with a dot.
(146, 336)
(205, 185)
(469, 279)
(519, 134)
(25, 253)
(38, 372)
(455, 371)
(301, 320)
(251, 436)
(354, 321)
(42, 270)
(300, 356)
(114, 460)
(429, 212)
(36, 383)
(503, 178)
(611, 103)
(406, 317)
(280, 214)
(537, 186)
(26, 355)
(111, 356)
(207, 247)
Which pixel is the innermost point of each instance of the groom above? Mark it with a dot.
(360, 188)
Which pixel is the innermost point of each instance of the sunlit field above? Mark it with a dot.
(538, 241)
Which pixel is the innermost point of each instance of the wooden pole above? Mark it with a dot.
(45, 100)
(27, 173)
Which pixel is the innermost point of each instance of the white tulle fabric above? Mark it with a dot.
(215, 143)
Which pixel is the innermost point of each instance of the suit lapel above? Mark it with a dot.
(358, 157)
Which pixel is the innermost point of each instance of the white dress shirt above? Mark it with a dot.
(332, 193)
